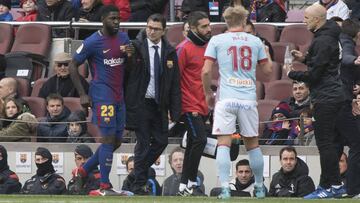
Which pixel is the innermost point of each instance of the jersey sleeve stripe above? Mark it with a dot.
(262, 60)
(209, 58)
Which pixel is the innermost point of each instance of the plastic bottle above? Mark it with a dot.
(288, 59)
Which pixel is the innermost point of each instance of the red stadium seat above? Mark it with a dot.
(217, 29)
(6, 37)
(174, 34)
(37, 106)
(37, 86)
(278, 90)
(23, 87)
(297, 34)
(269, 32)
(279, 50)
(295, 16)
(73, 103)
(275, 75)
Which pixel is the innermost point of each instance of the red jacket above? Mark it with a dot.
(124, 7)
(30, 17)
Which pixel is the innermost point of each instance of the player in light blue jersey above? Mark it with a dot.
(238, 55)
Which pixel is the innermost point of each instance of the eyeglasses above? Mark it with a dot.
(156, 29)
(62, 64)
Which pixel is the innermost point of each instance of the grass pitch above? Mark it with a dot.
(88, 199)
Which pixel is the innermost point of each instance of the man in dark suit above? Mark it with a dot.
(152, 94)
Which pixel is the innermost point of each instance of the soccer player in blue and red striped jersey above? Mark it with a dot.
(105, 52)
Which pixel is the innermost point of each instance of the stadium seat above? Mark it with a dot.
(217, 29)
(265, 108)
(37, 106)
(174, 34)
(73, 103)
(6, 37)
(297, 34)
(37, 86)
(269, 32)
(28, 56)
(278, 90)
(23, 87)
(295, 16)
(279, 50)
(260, 90)
(275, 75)
(296, 66)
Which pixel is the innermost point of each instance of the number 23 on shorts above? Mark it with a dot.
(107, 113)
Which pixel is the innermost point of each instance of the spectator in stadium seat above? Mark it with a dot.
(268, 11)
(14, 131)
(308, 137)
(243, 183)
(9, 89)
(9, 181)
(300, 98)
(171, 184)
(335, 8)
(280, 131)
(90, 11)
(45, 181)
(292, 180)
(77, 132)
(29, 10)
(149, 102)
(152, 184)
(55, 10)
(250, 28)
(92, 182)
(56, 112)
(5, 7)
(61, 82)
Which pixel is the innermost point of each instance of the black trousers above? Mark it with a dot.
(151, 140)
(349, 134)
(195, 144)
(325, 115)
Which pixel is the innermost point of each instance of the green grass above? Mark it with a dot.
(88, 199)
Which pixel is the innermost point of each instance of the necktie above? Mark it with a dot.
(157, 73)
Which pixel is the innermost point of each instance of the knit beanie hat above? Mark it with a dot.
(6, 3)
(283, 108)
(84, 151)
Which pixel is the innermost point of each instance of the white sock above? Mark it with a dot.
(191, 183)
(182, 187)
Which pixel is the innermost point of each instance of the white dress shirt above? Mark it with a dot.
(150, 92)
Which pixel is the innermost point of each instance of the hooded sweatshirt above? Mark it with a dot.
(296, 183)
(323, 61)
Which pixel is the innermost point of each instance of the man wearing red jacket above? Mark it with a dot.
(194, 108)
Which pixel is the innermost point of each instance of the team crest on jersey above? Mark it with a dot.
(170, 64)
(107, 120)
(78, 50)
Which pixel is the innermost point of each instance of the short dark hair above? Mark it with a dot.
(130, 159)
(54, 97)
(157, 17)
(248, 22)
(288, 149)
(336, 19)
(307, 111)
(176, 149)
(195, 16)
(300, 82)
(108, 9)
(243, 162)
(350, 28)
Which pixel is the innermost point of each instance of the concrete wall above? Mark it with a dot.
(207, 165)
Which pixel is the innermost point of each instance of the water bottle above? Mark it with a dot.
(288, 59)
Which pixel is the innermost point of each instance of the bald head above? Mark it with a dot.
(315, 17)
(317, 10)
(8, 86)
